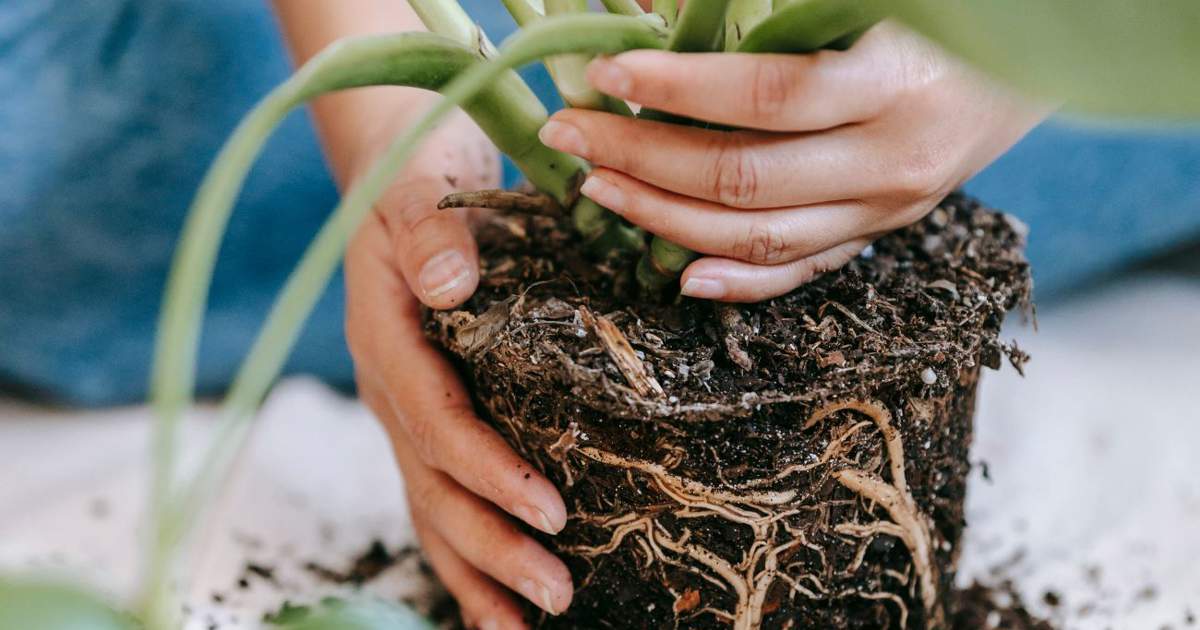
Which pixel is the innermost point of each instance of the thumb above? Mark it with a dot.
(433, 248)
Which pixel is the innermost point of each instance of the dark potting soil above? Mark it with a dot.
(797, 463)
(365, 567)
(980, 607)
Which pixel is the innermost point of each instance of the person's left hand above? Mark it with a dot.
(837, 149)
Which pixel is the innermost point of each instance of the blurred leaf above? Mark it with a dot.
(1111, 57)
(37, 605)
(336, 614)
(289, 613)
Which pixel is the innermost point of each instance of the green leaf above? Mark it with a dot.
(1110, 57)
(334, 614)
(44, 605)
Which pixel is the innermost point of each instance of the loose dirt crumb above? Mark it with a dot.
(982, 607)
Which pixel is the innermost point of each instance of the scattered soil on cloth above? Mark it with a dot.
(981, 607)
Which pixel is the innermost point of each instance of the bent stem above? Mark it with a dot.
(603, 231)
(192, 268)
(524, 12)
(448, 19)
(507, 111)
(803, 26)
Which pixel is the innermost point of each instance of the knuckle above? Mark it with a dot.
(424, 499)
(735, 174)
(422, 436)
(771, 88)
(762, 244)
(413, 209)
(920, 173)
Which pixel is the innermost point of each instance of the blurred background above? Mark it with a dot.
(1090, 494)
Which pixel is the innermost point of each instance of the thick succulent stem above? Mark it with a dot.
(698, 29)
(603, 231)
(803, 26)
(668, 9)
(475, 86)
(623, 7)
(448, 19)
(568, 71)
(742, 17)
(524, 12)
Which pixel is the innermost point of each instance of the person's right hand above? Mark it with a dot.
(462, 479)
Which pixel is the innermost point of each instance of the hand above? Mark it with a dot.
(839, 148)
(462, 479)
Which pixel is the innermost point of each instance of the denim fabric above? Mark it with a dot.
(112, 110)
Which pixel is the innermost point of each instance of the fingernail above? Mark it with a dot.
(443, 273)
(703, 288)
(536, 518)
(604, 193)
(564, 137)
(537, 593)
(489, 624)
(611, 78)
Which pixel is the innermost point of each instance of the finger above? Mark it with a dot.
(435, 249)
(756, 91)
(736, 169)
(428, 403)
(763, 237)
(736, 281)
(485, 604)
(484, 538)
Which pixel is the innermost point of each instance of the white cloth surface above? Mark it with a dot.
(1093, 492)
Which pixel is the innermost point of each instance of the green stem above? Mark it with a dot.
(510, 113)
(594, 34)
(804, 26)
(447, 18)
(524, 12)
(662, 264)
(699, 29)
(569, 71)
(623, 7)
(602, 231)
(699, 26)
(668, 9)
(744, 15)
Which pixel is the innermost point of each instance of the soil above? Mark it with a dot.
(797, 463)
(980, 607)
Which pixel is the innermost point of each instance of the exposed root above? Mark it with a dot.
(765, 513)
(895, 600)
(909, 524)
(684, 486)
(504, 201)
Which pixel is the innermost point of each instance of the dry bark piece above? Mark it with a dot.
(736, 331)
(622, 353)
(505, 201)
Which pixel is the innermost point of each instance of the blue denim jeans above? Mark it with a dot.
(113, 109)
